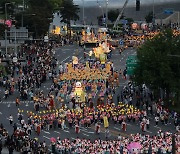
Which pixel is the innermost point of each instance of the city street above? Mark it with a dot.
(64, 54)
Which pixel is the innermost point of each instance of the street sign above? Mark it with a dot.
(168, 11)
(131, 64)
(46, 38)
(124, 22)
(121, 42)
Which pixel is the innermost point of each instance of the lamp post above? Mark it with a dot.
(102, 11)
(106, 12)
(5, 28)
(83, 13)
(22, 17)
(153, 14)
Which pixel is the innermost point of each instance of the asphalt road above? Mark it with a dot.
(64, 54)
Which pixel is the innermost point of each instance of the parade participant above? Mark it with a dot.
(11, 119)
(97, 127)
(156, 120)
(147, 123)
(38, 129)
(142, 126)
(17, 102)
(77, 130)
(124, 125)
(115, 119)
(70, 122)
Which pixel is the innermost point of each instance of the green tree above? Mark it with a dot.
(113, 14)
(149, 17)
(157, 67)
(37, 14)
(37, 17)
(69, 12)
(2, 29)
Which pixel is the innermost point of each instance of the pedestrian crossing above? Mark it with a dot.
(13, 102)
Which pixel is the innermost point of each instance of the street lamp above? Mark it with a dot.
(102, 12)
(106, 1)
(83, 13)
(153, 14)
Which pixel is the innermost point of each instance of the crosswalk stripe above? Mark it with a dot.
(13, 102)
(57, 132)
(85, 134)
(46, 137)
(148, 131)
(117, 128)
(46, 132)
(66, 131)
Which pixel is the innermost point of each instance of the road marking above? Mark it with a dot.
(66, 131)
(65, 59)
(157, 127)
(148, 131)
(91, 132)
(46, 132)
(73, 138)
(87, 131)
(80, 58)
(57, 132)
(128, 124)
(0, 112)
(85, 134)
(83, 128)
(46, 137)
(117, 128)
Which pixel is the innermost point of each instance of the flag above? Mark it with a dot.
(106, 123)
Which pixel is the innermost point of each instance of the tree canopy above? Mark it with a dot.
(149, 17)
(37, 15)
(69, 11)
(113, 14)
(159, 64)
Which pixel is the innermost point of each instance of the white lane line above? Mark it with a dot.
(46, 137)
(83, 128)
(46, 132)
(148, 131)
(73, 138)
(117, 128)
(80, 58)
(85, 134)
(65, 59)
(157, 127)
(91, 132)
(0, 112)
(87, 131)
(66, 131)
(57, 132)
(128, 124)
